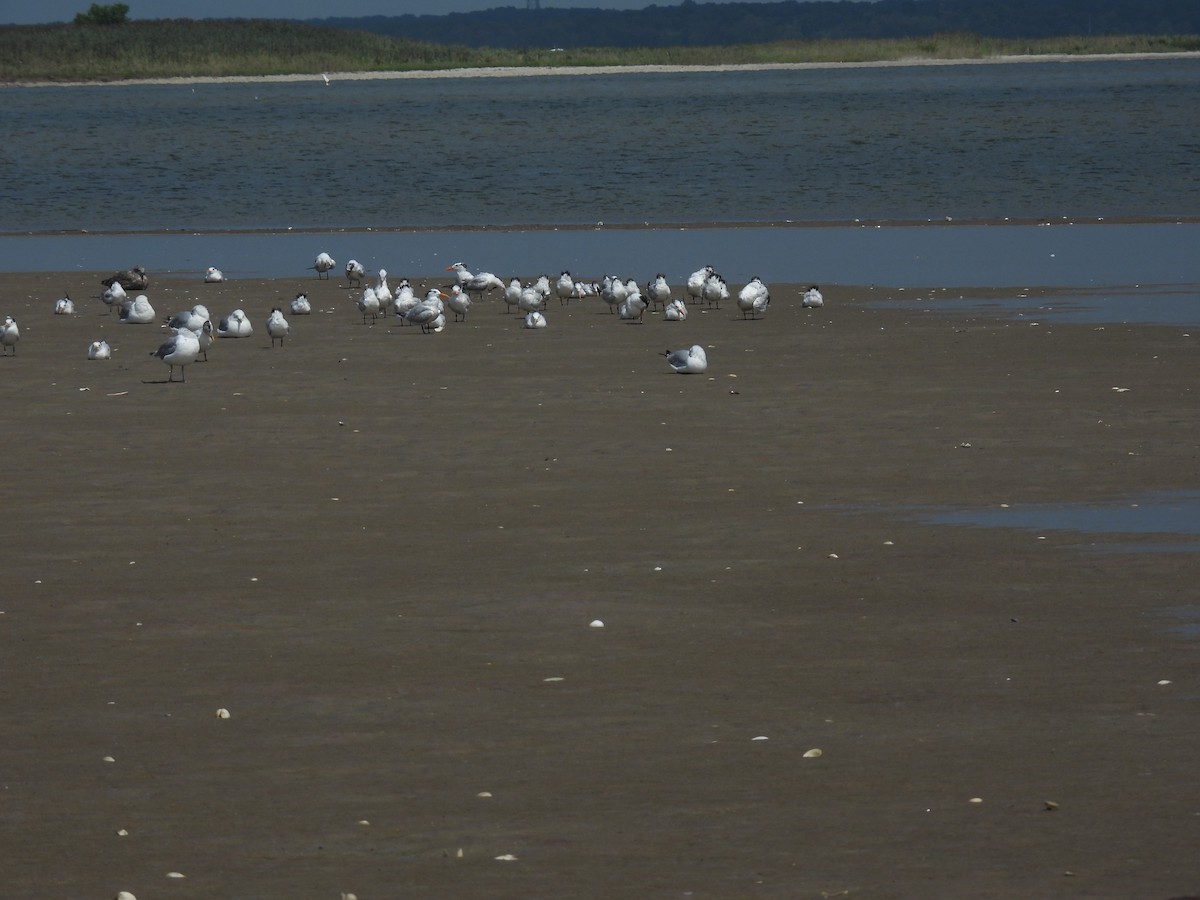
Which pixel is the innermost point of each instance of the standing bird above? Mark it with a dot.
(812, 298)
(323, 264)
(137, 311)
(300, 305)
(404, 300)
(99, 350)
(9, 335)
(512, 294)
(205, 337)
(715, 290)
(658, 290)
(459, 302)
(354, 273)
(383, 294)
(613, 291)
(213, 275)
(753, 298)
(134, 279)
(277, 326)
(695, 282)
(64, 306)
(178, 350)
(692, 361)
(428, 312)
(633, 306)
(530, 300)
(480, 284)
(114, 295)
(564, 288)
(368, 304)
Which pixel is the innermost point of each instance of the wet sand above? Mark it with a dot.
(381, 552)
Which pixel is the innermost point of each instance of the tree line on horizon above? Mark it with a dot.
(693, 24)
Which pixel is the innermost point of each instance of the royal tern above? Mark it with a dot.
(753, 298)
(213, 275)
(99, 350)
(658, 290)
(300, 306)
(459, 301)
(428, 312)
(180, 349)
(534, 319)
(695, 283)
(692, 361)
(355, 272)
(277, 326)
(64, 307)
(715, 290)
(632, 307)
(512, 294)
(368, 304)
(404, 300)
(531, 300)
(812, 298)
(613, 291)
(323, 264)
(384, 293)
(675, 311)
(564, 288)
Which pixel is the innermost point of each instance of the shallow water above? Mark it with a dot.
(1030, 140)
(1174, 512)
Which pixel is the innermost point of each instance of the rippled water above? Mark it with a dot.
(1019, 140)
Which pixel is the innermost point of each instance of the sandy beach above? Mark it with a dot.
(384, 553)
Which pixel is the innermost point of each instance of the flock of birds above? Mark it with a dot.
(193, 332)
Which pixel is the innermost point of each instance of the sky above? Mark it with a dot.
(32, 12)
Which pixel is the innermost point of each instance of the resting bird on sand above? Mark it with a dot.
(301, 306)
(753, 298)
(179, 350)
(534, 320)
(99, 350)
(137, 311)
(675, 311)
(134, 279)
(64, 307)
(687, 362)
(213, 275)
(235, 325)
(812, 298)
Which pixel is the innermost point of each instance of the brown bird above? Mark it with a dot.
(134, 279)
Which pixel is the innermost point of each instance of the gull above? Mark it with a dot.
(753, 298)
(428, 312)
(137, 311)
(564, 287)
(235, 325)
(134, 279)
(64, 307)
(658, 290)
(325, 75)
(812, 298)
(99, 350)
(323, 263)
(114, 295)
(354, 273)
(613, 291)
(512, 294)
(534, 319)
(213, 275)
(404, 300)
(459, 301)
(368, 304)
(675, 311)
(277, 326)
(383, 293)
(715, 290)
(300, 305)
(695, 282)
(192, 319)
(9, 335)
(178, 350)
(692, 361)
(204, 335)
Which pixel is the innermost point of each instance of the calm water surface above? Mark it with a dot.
(969, 141)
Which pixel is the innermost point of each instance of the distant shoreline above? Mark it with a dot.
(545, 71)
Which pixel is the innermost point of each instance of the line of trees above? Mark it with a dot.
(714, 24)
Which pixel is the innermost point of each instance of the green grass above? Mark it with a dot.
(168, 48)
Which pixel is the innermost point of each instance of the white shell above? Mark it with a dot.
(595, 623)
(222, 713)
(813, 753)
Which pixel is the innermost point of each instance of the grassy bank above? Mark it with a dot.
(180, 48)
